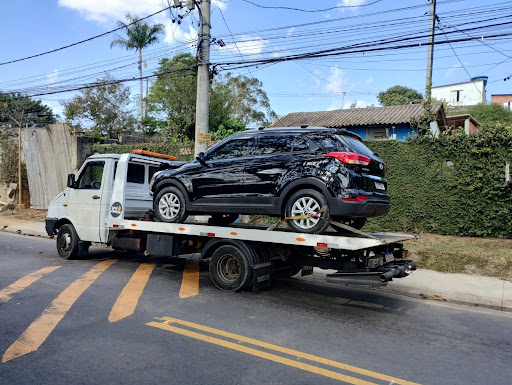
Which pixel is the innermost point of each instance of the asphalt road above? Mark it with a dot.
(117, 318)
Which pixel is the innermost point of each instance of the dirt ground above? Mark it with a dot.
(27, 214)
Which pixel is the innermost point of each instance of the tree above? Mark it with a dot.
(172, 97)
(490, 114)
(234, 101)
(18, 110)
(250, 103)
(140, 35)
(105, 109)
(398, 95)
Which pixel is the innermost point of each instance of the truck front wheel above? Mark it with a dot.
(230, 268)
(67, 242)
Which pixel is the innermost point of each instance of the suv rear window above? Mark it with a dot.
(325, 141)
(355, 145)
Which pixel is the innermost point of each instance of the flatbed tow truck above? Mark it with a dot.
(107, 200)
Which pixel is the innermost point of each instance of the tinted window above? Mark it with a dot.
(237, 148)
(272, 144)
(135, 173)
(355, 145)
(90, 178)
(326, 141)
(299, 143)
(152, 170)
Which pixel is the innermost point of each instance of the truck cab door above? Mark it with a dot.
(85, 198)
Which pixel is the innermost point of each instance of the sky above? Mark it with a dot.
(310, 55)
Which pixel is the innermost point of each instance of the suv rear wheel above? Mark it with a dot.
(304, 203)
(169, 205)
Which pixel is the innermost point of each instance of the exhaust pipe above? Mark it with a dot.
(398, 272)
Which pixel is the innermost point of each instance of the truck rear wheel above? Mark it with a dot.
(67, 242)
(230, 268)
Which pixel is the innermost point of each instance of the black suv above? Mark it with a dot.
(286, 172)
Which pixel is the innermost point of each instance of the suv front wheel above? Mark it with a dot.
(304, 203)
(169, 205)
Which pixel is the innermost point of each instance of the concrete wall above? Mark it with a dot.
(470, 93)
(51, 153)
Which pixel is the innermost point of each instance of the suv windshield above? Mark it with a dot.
(355, 145)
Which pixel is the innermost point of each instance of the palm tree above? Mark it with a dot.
(139, 36)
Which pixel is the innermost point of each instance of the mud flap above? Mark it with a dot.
(262, 276)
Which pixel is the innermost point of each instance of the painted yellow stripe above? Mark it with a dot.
(292, 352)
(190, 281)
(257, 353)
(34, 336)
(23, 283)
(129, 297)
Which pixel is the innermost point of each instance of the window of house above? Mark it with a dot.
(508, 105)
(456, 96)
(377, 132)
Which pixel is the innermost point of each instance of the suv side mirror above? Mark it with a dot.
(71, 181)
(201, 159)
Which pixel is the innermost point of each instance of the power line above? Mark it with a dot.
(311, 10)
(79, 42)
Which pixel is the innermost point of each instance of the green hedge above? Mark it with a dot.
(452, 185)
(183, 151)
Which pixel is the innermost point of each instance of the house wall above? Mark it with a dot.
(402, 131)
(503, 100)
(471, 93)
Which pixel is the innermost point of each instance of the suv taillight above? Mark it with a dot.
(350, 158)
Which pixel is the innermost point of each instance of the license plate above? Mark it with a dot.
(380, 186)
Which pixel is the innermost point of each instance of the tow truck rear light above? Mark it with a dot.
(350, 158)
(360, 198)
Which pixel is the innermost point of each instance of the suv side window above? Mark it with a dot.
(278, 144)
(325, 141)
(90, 178)
(237, 148)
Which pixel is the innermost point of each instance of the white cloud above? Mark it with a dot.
(249, 45)
(452, 70)
(52, 77)
(351, 3)
(369, 80)
(56, 107)
(219, 4)
(112, 10)
(290, 31)
(336, 81)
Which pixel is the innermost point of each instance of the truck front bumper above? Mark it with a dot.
(50, 226)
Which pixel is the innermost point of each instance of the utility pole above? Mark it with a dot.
(202, 137)
(19, 166)
(430, 59)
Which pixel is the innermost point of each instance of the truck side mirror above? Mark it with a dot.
(71, 181)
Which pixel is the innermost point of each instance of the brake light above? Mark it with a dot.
(360, 198)
(350, 158)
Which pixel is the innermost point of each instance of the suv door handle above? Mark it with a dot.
(95, 197)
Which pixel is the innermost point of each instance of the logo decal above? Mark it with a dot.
(381, 166)
(115, 209)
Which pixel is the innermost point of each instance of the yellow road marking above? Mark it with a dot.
(33, 337)
(321, 360)
(23, 283)
(190, 281)
(129, 297)
(257, 353)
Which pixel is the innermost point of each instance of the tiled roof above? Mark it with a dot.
(355, 116)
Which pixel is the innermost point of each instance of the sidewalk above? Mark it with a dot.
(459, 288)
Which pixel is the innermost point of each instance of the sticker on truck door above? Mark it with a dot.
(115, 209)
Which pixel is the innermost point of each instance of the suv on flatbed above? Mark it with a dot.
(310, 175)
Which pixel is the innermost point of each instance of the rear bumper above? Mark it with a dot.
(370, 208)
(50, 226)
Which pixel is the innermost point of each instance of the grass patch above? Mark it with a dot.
(480, 256)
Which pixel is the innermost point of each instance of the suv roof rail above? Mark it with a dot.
(304, 125)
(261, 127)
